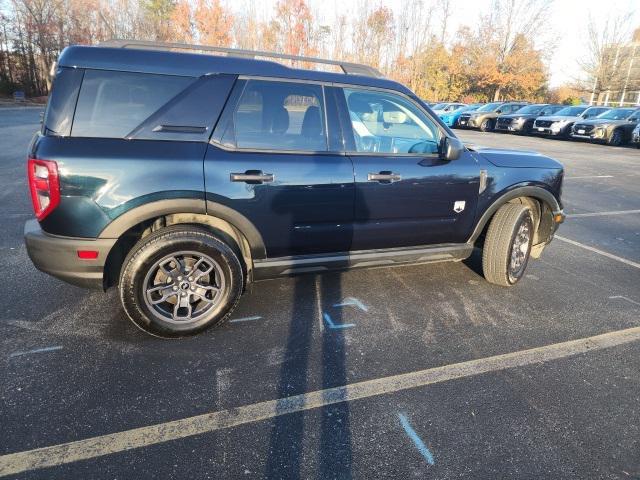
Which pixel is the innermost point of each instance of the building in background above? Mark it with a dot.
(619, 81)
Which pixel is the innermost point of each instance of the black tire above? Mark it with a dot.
(527, 128)
(616, 139)
(503, 235)
(180, 247)
(486, 125)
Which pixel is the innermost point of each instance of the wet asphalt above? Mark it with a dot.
(73, 366)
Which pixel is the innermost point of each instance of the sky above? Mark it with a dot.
(569, 19)
(568, 23)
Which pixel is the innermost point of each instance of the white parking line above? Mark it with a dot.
(588, 176)
(37, 350)
(603, 214)
(14, 463)
(620, 297)
(598, 251)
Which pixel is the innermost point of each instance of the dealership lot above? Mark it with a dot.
(75, 370)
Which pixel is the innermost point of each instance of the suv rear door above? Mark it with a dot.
(273, 160)
(406, 195)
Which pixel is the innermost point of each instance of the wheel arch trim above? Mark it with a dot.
(538, 193)
(159, 208)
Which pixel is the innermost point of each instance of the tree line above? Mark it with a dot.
(494, 59)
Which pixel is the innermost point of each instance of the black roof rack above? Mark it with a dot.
(347, 67)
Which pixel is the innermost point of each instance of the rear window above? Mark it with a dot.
(112, 104)
(59, 114)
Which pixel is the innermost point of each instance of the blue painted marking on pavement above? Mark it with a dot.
(244, 319)
(37, 350)
(417, 441)
(352, 301)
(333, 326)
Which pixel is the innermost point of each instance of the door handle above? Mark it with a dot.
(252, 176)
(385, 177)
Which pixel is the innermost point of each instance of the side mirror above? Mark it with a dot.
(452, 148)
(498, 111)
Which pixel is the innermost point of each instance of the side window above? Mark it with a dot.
(278, 116)
(112, 104)
(387, 123)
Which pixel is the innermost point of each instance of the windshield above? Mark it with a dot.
(439, 106)
(571, 111)
(531, 109)
(489, 107)
(616, 114)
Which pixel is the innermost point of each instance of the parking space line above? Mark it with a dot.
(598, 251)
(245, 319)
(588, 176)
(603, 214)
(61, 454)
(415, 438)
(37, 350)
(620, 297)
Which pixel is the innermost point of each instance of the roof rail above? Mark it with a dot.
(347, 67)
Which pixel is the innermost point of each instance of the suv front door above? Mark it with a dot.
(273, 160)
(406, 194)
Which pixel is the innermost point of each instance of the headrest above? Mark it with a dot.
(312, 123)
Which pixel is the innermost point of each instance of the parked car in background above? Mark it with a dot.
(451, 118)
(613, 127)
(559, 124)
(522, 120)
(484, 118)
(447, 107)
(635, 136)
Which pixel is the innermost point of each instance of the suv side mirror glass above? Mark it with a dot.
(452, 148)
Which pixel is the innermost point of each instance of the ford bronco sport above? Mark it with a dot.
(182, 177)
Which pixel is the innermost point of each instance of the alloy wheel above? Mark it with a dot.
(183, 287)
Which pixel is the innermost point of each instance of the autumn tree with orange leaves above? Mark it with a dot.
(494, 59)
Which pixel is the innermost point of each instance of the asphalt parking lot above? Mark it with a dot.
(449, 376)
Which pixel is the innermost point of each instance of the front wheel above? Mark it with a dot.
(507, 245)
(616, 138)
(486, 125)
(179, 281)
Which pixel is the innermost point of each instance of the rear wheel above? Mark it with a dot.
(179, 281)
(507, 245)
(486, 125)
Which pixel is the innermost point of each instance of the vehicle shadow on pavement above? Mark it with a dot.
(474, 262)
(286, 455)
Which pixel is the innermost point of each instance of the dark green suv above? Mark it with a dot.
(181, 178)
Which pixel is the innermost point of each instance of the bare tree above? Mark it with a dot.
(444, 9)
(607, 60)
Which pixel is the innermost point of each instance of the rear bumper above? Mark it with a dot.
(58, 256)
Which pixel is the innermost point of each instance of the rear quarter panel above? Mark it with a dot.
(100, 179)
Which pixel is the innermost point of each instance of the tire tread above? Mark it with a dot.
(497, 243)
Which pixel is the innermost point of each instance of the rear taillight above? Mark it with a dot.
(44, 186)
